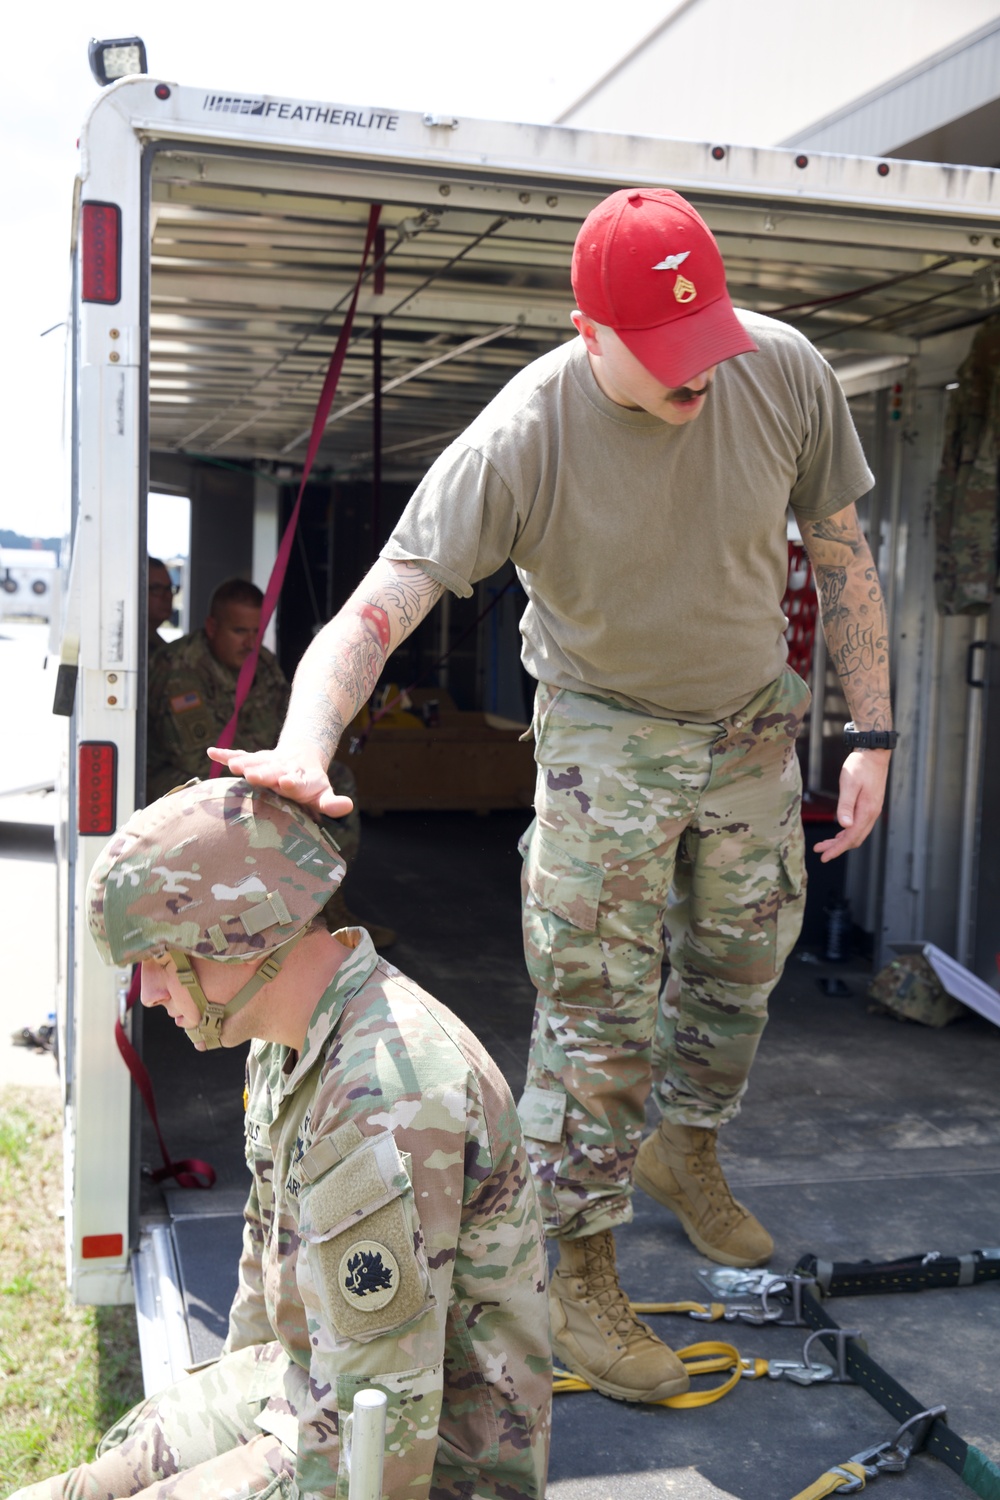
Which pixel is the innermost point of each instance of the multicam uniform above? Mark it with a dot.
(655, 559)
(191, 698)
(393, 1241)
(966, 513)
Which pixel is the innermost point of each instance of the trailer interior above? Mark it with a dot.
(861, 1136)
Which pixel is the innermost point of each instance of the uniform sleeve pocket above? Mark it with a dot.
(559, 882)
(358, 1223)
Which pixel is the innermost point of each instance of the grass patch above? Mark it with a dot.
(66, 1372)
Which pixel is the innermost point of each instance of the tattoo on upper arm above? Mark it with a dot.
(843, 533)
(409, 593)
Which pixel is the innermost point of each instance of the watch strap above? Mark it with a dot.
(869, 739)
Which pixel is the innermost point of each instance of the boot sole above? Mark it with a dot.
(675, 1387)
(741, 1262)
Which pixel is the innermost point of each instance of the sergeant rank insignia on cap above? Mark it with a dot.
(369, 1275)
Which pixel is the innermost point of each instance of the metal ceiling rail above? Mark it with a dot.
(256, 230)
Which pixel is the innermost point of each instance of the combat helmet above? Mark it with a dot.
(216, 869)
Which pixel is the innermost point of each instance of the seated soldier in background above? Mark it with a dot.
(192, 689)
(392, 1235)
(159, 603)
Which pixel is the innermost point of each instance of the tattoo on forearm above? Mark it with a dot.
(349, 676)
(830, 585)
(858, 651)
(338, 674)
(853, 614)
(376, 620)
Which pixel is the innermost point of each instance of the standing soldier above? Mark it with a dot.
(640, 477)
(392, 1233)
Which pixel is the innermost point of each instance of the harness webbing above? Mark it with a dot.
(969, 1463)
(911, 1273)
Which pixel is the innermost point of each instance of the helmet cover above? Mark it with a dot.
(218, 869)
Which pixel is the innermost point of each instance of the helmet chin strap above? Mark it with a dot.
(209, 1028)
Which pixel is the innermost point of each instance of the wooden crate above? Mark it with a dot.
(466, 762)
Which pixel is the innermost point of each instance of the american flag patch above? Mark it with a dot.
(184, 701)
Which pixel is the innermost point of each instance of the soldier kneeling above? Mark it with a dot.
(392, 1238)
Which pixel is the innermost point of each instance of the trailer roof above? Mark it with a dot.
(258, 215)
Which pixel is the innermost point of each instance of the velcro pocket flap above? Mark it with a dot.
(358, 1222)
(561, 883)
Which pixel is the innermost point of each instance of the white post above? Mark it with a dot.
(265, 540)
(364, 1445)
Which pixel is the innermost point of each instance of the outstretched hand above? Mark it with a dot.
(299, 775)
(862, 792)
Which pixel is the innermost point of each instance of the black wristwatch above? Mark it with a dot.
(869, 739)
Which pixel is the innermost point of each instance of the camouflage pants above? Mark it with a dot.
(642, 822)
(197, 1440)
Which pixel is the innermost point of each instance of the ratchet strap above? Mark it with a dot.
(192, 1172)
(847, 1478)
(274, 584)
(911, 1273)
(969, 1463)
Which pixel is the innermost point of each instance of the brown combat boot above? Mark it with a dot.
(677, 1166)
(596, 1334)
(336, 913)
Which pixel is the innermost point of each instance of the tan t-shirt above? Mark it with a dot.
(654, 557)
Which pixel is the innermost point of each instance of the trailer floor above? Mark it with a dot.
(860, 1137)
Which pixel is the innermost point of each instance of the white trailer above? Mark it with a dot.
(216, 237)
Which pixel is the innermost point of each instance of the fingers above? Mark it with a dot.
(862, 793)
(284, 773)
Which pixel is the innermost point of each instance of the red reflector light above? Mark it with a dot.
(102, 244)
(99, 1246)
(97, 787)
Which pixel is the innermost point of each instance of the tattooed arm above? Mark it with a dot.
(335, 677)
(854, 623)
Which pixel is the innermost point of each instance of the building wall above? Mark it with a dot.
(758, 73)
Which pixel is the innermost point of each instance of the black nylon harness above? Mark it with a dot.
(911, 1274)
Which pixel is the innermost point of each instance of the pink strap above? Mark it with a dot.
(192, 1172)
(245, 680)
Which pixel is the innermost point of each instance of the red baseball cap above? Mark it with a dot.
(647, 265)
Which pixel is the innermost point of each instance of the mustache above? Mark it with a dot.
(686, 393)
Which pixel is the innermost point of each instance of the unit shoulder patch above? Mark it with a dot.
(369, 1275)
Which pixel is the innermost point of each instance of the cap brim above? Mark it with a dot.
(677, 351)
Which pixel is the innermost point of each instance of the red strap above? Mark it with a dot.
(186, 1173)
(245, 680)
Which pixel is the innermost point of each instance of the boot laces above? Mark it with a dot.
(713, 1181)
(606, 1291)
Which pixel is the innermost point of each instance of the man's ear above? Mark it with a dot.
(588, 330)
(211, 626)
